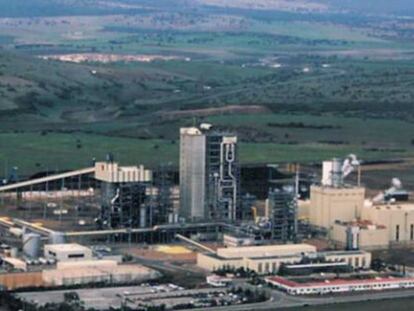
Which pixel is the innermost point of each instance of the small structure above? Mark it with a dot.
(67, 252)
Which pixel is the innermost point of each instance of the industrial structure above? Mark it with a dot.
(209, 174)
(268, 259)
(282, 205)
(123, 193)
(334, 199)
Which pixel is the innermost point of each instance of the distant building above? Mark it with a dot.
(209, 174)
(269, 259)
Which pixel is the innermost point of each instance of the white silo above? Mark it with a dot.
(31, 245)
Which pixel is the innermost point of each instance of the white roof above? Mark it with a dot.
(265, 250)
(68, 247)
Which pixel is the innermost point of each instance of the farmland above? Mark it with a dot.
(301, 81)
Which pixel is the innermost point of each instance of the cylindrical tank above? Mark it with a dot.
(31, 245)
(336, 173)
(57, 238)
(14, 252)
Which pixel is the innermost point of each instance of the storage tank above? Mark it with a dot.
(336, 173)
(57, 238)
(31, 245)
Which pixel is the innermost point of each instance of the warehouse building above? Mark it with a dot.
(67, 252)
(268, 259)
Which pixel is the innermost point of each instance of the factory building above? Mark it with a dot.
(282, 207)
(67, 252)
(268, 259)
(209, 174)
(398, 218)
(334, 200)
(360, 235)
(123, 193)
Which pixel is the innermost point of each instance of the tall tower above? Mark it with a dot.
(209, 174)
(283, 214)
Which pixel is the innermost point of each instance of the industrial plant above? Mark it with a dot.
(315, 231)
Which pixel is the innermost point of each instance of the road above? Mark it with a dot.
(279, 300)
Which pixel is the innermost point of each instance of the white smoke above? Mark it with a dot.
(349, 165)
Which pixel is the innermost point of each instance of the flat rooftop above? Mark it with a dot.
(67, 247)
(265, 250)
(338, 282)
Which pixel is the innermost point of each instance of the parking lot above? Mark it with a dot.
(170, 295)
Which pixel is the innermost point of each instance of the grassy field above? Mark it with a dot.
(32, 152)
(331, 83)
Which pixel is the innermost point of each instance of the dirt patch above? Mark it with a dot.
(153, 254)
(109, 58)
(233, 109)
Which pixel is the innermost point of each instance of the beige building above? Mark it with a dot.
(267, 259)
(67, 252)
(97, 271)
(112, 172)
(329, 204)
(368, 236)
(398, 218)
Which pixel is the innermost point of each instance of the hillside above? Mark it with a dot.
(298, 80)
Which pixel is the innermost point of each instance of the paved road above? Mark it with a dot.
(280, 300)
